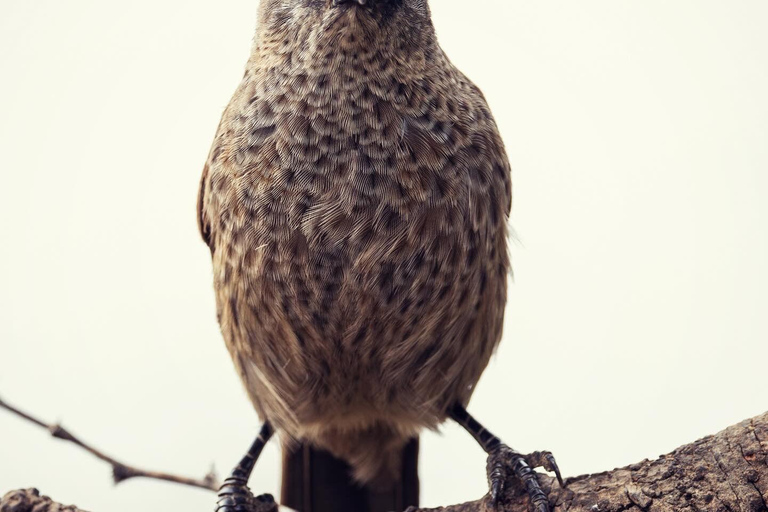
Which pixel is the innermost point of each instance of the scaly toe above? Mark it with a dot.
(234, 496)
(497, 488)
(504, 461)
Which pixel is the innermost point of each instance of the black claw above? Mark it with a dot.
(547, 461)
(497, 487)
(267, 499)
(555, 468)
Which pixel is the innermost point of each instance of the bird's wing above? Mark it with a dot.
(203, 223)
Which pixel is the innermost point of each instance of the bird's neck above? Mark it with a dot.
(349, 48)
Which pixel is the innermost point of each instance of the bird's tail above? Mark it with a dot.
(316, 481)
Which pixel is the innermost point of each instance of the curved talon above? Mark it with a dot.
(547, 461)
(554, 468)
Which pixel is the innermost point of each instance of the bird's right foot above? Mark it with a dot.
(235, 496)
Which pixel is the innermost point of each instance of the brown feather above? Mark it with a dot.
(356, 201)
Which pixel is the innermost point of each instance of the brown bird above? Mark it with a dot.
(355, 202)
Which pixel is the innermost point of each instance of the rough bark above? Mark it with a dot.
(29, 500)
(727, 472)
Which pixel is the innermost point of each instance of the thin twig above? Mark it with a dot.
(120, 471)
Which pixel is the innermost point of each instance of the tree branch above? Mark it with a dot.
(120, 471)
(724, 472)
(27, 500)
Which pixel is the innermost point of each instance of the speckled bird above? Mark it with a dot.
(355, 202)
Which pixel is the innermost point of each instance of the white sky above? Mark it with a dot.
(638, 135)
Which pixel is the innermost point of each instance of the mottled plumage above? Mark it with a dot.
(355, 202)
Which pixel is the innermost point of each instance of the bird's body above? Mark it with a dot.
(355, 202)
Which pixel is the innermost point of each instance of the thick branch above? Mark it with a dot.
(724, 472)
(28, 500)
(727, 472)
(120, 471)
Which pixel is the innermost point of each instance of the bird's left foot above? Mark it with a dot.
(235, 496)
(502, 459)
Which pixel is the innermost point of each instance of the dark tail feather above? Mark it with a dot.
(315, 481)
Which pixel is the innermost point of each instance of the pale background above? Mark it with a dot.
(638, 134)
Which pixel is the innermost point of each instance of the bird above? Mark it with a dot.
(355, 201)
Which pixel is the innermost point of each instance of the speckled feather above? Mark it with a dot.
(355, 202)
